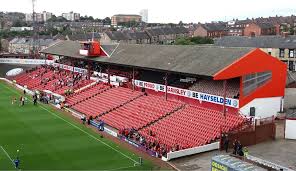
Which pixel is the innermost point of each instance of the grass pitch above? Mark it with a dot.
(49, 140)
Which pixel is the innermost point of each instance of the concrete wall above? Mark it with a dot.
(264, 107)
(290, 131)
(191, 151)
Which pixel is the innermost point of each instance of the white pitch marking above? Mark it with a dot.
(78, 128)
(7, 154)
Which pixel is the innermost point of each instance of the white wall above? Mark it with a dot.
(191, 151)
(290, 132)
(264, 107)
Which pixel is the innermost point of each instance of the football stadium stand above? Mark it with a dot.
(53, 79)
(175, 98)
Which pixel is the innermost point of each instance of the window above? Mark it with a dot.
(282, 53)
(252, 81)
(291, 53)
(291, 66)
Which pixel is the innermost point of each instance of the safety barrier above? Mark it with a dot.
(191, 151)
(26, 61)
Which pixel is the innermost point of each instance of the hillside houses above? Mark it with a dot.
(162, 35)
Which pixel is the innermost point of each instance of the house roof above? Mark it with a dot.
(116, 35)
(265, 25)
(29, 41)
(197, 60)
(258, 42)
(84, 37)
(214, 26)
(138, 35)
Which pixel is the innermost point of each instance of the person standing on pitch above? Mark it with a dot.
(35, 99)
(83, 118)
(16, 163)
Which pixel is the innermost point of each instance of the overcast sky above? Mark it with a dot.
(161, 10)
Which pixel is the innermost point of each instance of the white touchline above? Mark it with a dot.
(77, 128)
(7, 154)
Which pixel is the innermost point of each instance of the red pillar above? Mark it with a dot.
(224, 97)
(108, 72)
(166, 86)
(133, 81)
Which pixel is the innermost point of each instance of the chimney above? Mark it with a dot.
(252, 34)
(285, 34)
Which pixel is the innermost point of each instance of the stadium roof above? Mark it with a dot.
(196, 60)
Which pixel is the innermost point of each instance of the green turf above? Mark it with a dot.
(49, 140)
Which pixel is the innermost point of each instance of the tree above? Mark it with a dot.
(180, 23)
(61, 19)
(17, 23)
(90, 18)
(52, 19)
(193, 41)
(98, 20)
(0, 44)
(291, 30)
(107, 21)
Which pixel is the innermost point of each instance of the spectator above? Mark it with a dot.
(235, 147)
(240, 149)
(226, 143)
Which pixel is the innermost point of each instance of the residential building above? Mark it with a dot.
(84, 37)
(236, 27)
(158, 35)
(46, 15)
(138, 37)
(210, 30)
(258, 29)
(71, 16)
(144, 15)
(39, 17)
(166, 35)
(282, 47)
(125, 18)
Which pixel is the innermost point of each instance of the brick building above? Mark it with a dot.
(258, 29)
(124, 18)
(210, 30)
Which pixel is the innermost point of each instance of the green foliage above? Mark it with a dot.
(11, 34)
(292, 30)
(193, 40)
(57, 19)
(50, 31)
(86, 18)
(0, 44)
(181, 23)
(107, 21)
